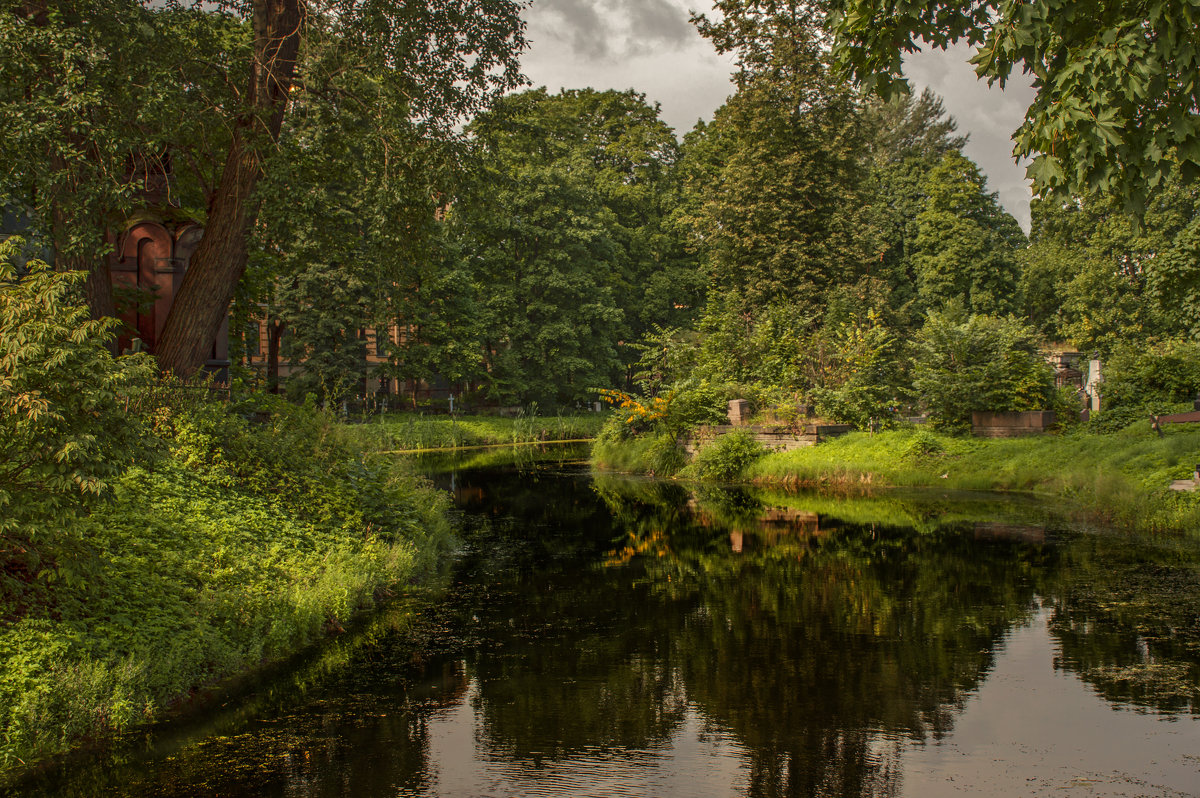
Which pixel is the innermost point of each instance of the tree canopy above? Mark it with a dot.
(1118, 81)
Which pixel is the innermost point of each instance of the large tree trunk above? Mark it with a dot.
(220, 260)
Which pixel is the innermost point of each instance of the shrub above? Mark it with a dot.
(726, 457)
(694, 402)
(1141, 376)
(923, 445)
(978, 363)
(64, 431)
(865, 379)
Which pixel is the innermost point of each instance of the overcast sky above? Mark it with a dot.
(650, 46)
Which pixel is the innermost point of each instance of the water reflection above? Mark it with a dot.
(636, 637)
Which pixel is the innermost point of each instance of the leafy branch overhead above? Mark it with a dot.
(1118, 81)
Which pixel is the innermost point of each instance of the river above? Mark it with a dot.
(614, 636)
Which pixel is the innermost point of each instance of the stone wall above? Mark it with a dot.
(1011, 424)
(775, 438)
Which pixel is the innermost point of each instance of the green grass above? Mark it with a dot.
(240, 545)
(409, 431)
(1121, 477)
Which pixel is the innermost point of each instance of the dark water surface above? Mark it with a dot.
(624, 637)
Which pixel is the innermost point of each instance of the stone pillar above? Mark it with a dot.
(1092, 386)
(739, 412)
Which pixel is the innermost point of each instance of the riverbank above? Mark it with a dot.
(1122, 477)
(250, 534)
(415, 432)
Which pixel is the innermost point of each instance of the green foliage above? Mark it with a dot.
(65, 435)
(922, 445)
(1165, 373)
(246, 542)
(726, 457)
(909, 137)
(153, 543)
(964, 244)
(563, 233)
(1173, 284)
(778, 175)
(864, 379)
(965, 363)
(1096, 280)
(696, 401)
(1116, 81)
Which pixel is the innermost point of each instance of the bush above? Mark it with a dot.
(65, 435)
(923, 445)
(1162, 374)
(694, 402)
(726, 457)
(979, 363)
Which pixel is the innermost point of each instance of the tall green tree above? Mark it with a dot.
(541, 251)
(779, 215)
(344, 240)
(566, 228)
(447, 58)
(100, 76)
(964, 248)
(80, 103)
(908, 137)
(1104, 281)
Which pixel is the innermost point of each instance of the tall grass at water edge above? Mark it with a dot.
(1122, 477)
(409, 431)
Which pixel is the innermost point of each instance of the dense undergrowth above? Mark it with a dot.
(407, 431)
(250, 531)
(1123, 476)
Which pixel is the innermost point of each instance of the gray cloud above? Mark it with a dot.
(610, 29)
(988, 114)
(649, 45)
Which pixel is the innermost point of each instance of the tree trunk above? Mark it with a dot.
(220, 260)
(274, 334)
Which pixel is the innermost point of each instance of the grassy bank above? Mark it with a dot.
(1122, 477)
(248, 536)
(409, 431)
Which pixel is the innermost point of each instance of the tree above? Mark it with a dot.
(565, 230)
(345, 231)
(779, 211)
(442, 60)
(1105, 281)
(448, 58)
(540, 248)
(78, 90)
(908, 137)
(1118, 81)
(965, 240)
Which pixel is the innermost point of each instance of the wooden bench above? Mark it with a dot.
(1156, 422)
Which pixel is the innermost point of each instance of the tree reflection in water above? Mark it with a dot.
(594, 621)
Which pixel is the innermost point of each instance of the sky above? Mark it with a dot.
(649, 46)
